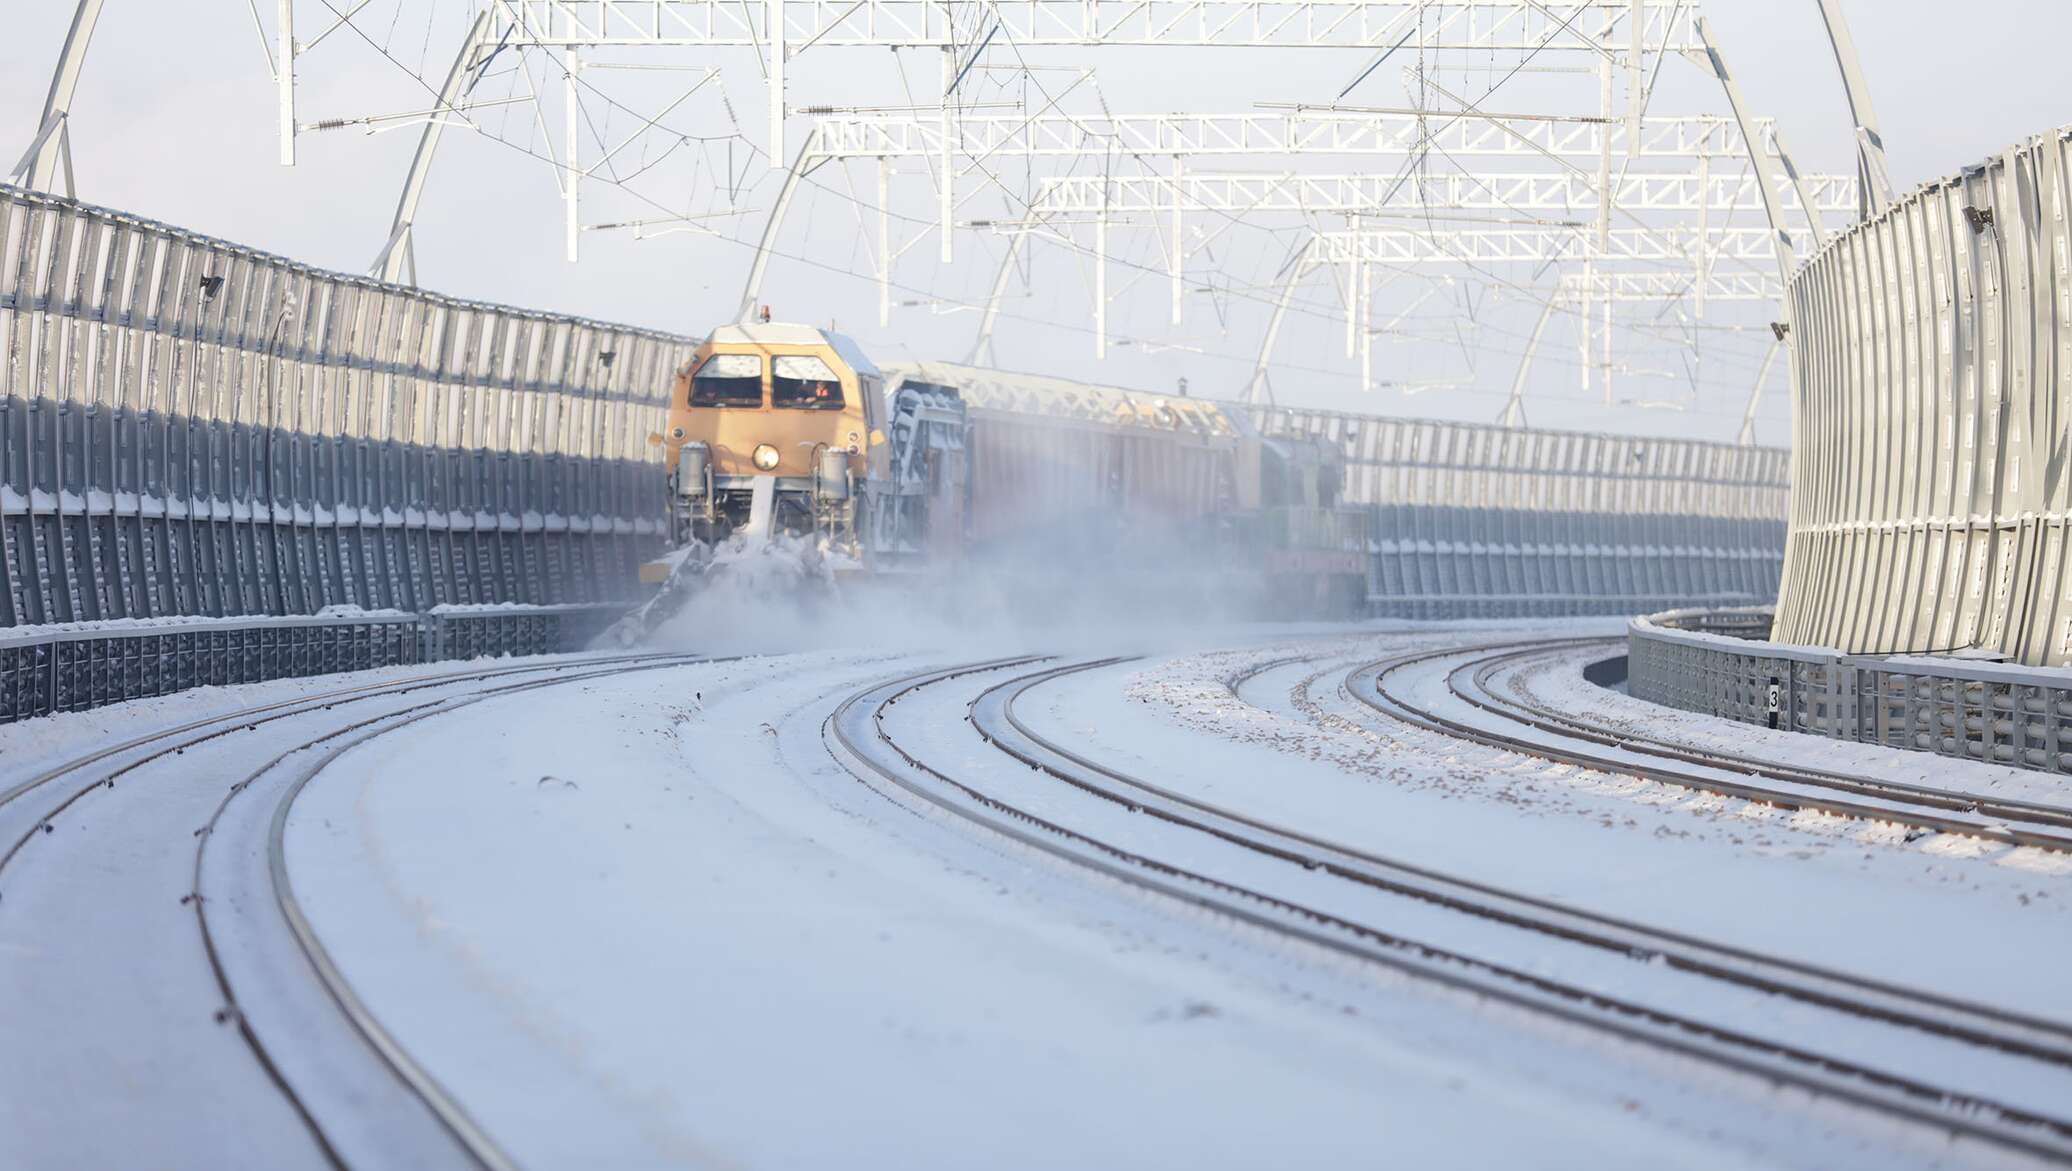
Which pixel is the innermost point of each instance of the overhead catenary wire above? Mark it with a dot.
(623, 180)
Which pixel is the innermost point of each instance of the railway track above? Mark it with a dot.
(126, 756)
(337, 724)
(1473, 685)
(1510, 724)
(859, 736)
(318, 729)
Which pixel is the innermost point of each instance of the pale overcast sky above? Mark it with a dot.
(175, 120)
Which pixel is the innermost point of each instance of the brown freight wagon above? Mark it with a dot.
(1179, 494)
(1053, 460)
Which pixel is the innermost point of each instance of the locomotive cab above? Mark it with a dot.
(773, 428)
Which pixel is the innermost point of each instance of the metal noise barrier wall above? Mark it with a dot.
(72, 668)
(1711, 662)
(1476, 521)
(192, 428)
(1932, 349)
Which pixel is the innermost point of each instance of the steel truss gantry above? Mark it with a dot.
(1539, 244)
(1355, 194)
(1502, 25)
(969, 145)
(1311, 132)
(1697, 250)
(779, 30)
(1661, 286)
(1167, 203)
(962, 152)
(1774, 174)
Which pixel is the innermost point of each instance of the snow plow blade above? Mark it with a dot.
(742, 576)
(686, 571)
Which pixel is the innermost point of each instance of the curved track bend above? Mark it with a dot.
(1476, 711)
(356, 1094)
(1859, 1072)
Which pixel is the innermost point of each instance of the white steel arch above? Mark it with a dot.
(397, 261)
(51, 149)
(1870, 141)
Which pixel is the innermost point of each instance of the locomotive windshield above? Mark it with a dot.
(803, 382)
(729, 380)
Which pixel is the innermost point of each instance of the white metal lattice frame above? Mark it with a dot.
(1342, 194)
(1304, 132)
(1596, 26)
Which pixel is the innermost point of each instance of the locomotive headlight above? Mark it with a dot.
(765, 457)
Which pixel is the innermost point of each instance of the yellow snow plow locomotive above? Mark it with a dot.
(790, 462)
(778, 433)
(772, 429)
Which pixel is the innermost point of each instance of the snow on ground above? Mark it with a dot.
(928, 724)
(114, 1057)
(109, 1012)
(28, 745)
(1944, 912)
(648, 921)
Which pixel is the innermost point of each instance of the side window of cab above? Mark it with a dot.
(728, 380)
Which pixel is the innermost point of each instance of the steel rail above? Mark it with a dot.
(856, 736)
(1237, 682)
(1367, 685)
(239, 720)
(175, 740)
(993, 715)
(476, 1141)
(1552, 720)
